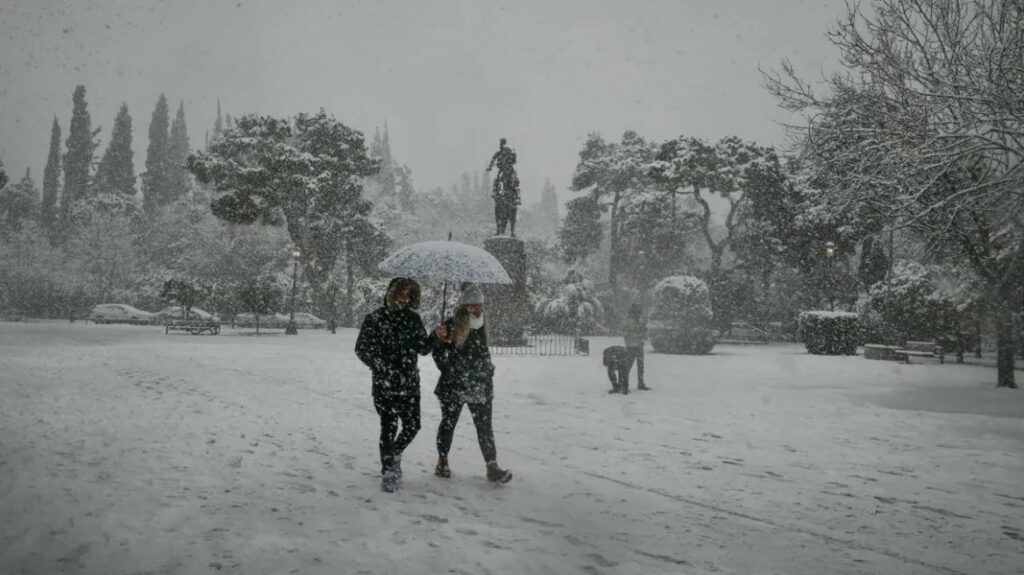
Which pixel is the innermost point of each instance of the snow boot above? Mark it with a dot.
(389, 481)
(442, 469)
(396, 465)
(496, 474)
(643, 387)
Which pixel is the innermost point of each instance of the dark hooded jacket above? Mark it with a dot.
(389, 343)
(467, 374)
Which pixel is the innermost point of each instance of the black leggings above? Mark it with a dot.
(481, 412)
(392, 409)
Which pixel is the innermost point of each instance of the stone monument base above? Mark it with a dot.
(508, 308)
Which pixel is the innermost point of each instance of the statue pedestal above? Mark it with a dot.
(508, 308)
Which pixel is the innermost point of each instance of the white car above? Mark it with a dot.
(119, 313)
(305, 320)
(174, 312)
(249, 319)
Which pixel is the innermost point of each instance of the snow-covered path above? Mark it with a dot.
(124, 450)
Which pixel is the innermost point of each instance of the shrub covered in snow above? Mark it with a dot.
(829, 332)
(681, 319)
(573, 309)
(917, 303)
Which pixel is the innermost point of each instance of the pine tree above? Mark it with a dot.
(178, 150)
(116, 173)
(78, 158)
(155, 179)
(3, 175)
(51, 180)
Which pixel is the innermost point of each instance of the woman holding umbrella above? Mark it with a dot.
(389, 343)
(467, 377)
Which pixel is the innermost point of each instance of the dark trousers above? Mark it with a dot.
(635, 354)
(395, 409)
(450, 411)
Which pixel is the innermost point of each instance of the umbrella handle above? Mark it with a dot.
(444, 298)
(444, 301)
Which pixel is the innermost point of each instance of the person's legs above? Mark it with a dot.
(485, 435)
(625, 366)
(484, 431)
(450, 412)
(388, 429)
(639, 354)
(409, 413)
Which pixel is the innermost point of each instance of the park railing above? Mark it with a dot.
(545, 344)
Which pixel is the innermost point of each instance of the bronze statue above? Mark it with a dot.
(506, 188)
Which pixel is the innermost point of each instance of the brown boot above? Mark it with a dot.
(442, 468)
(497, 474)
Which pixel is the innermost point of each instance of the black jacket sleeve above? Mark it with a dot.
(427, 340)
(368, 344)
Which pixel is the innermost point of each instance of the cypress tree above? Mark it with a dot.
(177, 153)
(51, 180)
(154, 180)
(116, 172)
(218, 125)
(78, 158)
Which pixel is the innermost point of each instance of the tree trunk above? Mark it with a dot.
(350, 283)
(1004, 347)
(613, 259)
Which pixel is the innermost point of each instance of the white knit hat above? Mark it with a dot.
(471, 296)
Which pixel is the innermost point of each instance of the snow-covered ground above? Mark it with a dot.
(124, 450)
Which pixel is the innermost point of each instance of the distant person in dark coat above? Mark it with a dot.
(616, 360)
(389, 343)
(467, 377)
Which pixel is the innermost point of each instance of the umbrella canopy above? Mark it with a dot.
(445, 261)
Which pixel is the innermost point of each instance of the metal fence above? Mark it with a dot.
(546, 344)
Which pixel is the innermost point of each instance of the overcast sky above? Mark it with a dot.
(449, 78)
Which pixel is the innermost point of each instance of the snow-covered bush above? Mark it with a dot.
(573, 310)
(829, 332)
(918, 304)
(681, 319)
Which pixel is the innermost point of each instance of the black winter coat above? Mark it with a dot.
(389, 343)
(467, 374)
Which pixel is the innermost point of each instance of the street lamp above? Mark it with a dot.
(292, 329)
(830, 253)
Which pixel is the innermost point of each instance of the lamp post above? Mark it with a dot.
(292, 329)
(830, 253)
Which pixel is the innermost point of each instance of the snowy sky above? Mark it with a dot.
(449, 77)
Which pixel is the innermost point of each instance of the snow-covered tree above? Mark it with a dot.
(116, 172)
(19, 203)
(179, 180)
(608, 172)
(926, 128)
(156, 179)
(306, 173)
(78, 158)
(51, 180)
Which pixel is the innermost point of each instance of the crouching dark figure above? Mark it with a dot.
(618, 361)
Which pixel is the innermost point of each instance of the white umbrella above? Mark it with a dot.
(445, 261)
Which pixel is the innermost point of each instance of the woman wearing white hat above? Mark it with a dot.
(467, 377)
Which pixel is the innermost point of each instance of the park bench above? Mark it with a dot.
(192, 326)
(879, 351)
(920, 349)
